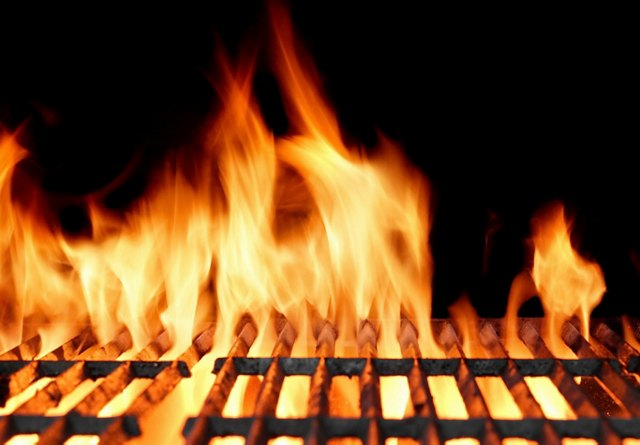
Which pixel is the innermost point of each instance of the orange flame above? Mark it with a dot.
(567, 284)
(36, 278)
(261, 224)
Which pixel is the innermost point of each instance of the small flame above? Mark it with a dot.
(499, 401)
(567, 284)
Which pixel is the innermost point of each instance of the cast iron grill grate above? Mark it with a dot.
(606, 402)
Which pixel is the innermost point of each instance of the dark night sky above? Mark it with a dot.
(503, 111)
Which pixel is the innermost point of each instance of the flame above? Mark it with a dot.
(296, 221)
(567, 284)
(496, 395)
(498, 399)
(256, 224)
(304, 226)
(35, 280)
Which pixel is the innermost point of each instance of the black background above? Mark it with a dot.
(503, 110)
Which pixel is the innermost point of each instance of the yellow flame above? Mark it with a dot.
(567, 284)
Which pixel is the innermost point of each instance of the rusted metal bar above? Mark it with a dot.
(421, 396)
(117, 381)
(225, 379)
(121, 343)
(514, 381)
(325, 334)
(633, 324)
(160, 387)
(558, 375)
(74, 347)
(62, 385)
(27, 350)
(16, 382)
(370, 404)
(271, 385)
(468, 387)
(169, 377)
(616, 383)
(53, 392)
(67, 381)
(154, 350)
(113, 384)
(626, 353)
(246, 333)
(511, 377)
(565, 383)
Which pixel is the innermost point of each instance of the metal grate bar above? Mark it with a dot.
(421, 396)
(613, 380)
(67, 381)
(518, 388)
(325, 334)
(370, 405)
(626, 353)
(271, 385)
(161, 386)
(590, 422)
(26, 371)
(226, 376)
(606, 365)
(468, 387)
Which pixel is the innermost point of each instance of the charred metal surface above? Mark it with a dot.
(626, 353)
(421, 396)
(370, 404)
(470, 392)
(27, 350)
(226, 376)
(609, 372)
(350, 366)
(521, 394)
(162, 384)
(271, 385)
(16, 381)
(414, 427)
(605, 367)
(77, 425)
(318, 404)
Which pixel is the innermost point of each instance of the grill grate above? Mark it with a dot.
(607, 364)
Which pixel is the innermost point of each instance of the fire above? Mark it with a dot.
(260, 226)
(35, 276)
(567, 284)
(302, 227)
(295, 222)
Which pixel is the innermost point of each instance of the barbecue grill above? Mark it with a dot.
(600, 386)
